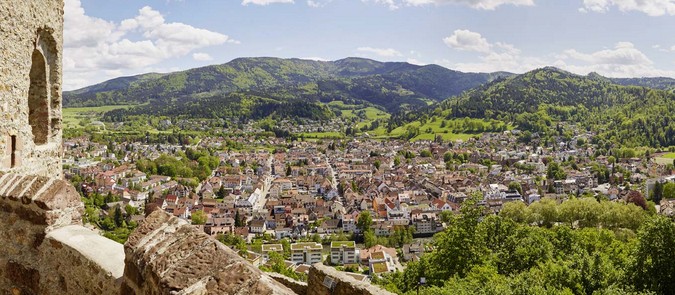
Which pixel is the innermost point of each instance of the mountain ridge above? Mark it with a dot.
(261, 73)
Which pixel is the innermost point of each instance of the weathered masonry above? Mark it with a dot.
(30, 86)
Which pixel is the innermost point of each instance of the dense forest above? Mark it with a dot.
(233, 105)
(582, 246)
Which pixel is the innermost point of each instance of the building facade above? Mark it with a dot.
(306, 253)
(344, 252)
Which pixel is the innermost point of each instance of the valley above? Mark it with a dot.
(388, 171)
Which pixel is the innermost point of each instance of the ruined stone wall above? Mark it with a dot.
(165, 255)
(298, 287)
(80, 261)
(30, 86)
(31, 207)
(343, 283)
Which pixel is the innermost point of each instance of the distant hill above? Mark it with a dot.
(535, 101)
(662, 83)
(391, 85)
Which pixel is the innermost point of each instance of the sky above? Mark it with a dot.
(616, 38)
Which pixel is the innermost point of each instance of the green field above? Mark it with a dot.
(73, 116)
(665, 159)
(349, 111)
(372, 114)
(445, 136)
(433, 127)
(669, 156)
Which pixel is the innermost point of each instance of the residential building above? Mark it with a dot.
(344, 252)
(306, 253)
(267, 248)
(380, 262)
(425, 223)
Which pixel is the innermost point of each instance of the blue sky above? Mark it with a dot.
(617, 38)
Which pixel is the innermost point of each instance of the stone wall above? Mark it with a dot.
(80, 261)
(165, 255)
(30, 208)
(297, 286)
(30, 86)
(343, 283)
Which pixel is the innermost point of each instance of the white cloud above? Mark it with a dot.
(623, 60)
(649, 7)
(624, 53)
(82, 30)
(415, 61)
(468, 41)
(315, 58)
(476, 4)
(265, 2)
(318, 3)
(392, 4)
(383, 52)
(200, 56)
(96, 49)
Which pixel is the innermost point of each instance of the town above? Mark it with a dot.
(362, 205)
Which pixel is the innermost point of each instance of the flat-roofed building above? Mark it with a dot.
(306, 253)
(380, 262)
(267, 248)
(344, 252)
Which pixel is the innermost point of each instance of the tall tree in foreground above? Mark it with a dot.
(654, 259)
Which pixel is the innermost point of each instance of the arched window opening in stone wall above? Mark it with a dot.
(38, 100)
(47, 44)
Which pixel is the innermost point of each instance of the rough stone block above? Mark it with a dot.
(25, 279)
(343, 283)
(173, 257)
(297, 286)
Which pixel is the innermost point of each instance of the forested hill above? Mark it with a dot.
(549, 86)
(656, 83)
(392, 85)
(536, 100)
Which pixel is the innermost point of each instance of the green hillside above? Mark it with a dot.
(536, 101)
(392, 85)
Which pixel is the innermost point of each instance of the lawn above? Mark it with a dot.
(446, 136)
(372, 114)
(669, 156)
(338, 244)
(73, 116)
(428, 131)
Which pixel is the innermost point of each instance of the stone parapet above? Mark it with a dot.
(165, 255)
(298, 287)
(30, 208)
(340, 283)
(80, 261)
